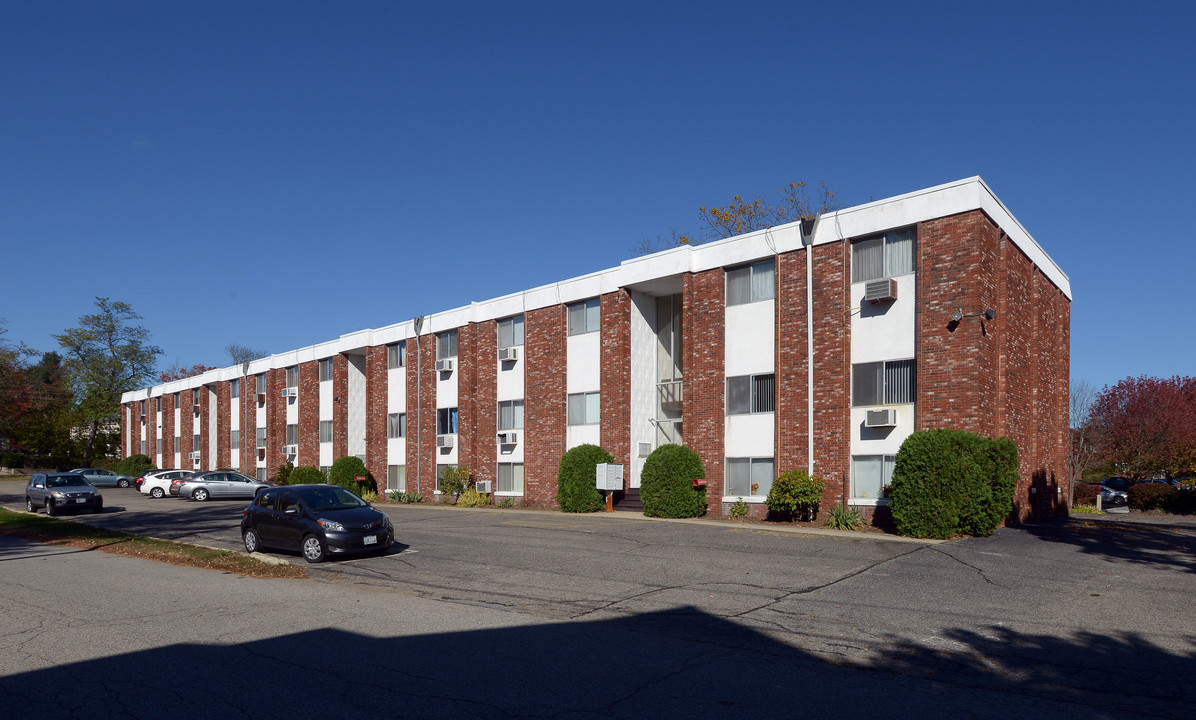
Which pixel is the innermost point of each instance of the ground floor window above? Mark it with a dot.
(396, 478)
(440, 468)
(510, 478)
(749, 477)
(261, 474)
(871, 476)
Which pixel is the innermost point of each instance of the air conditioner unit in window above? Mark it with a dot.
(290, 449)
(880, 418)
(193, 456)
(444, 365)
(482, 486)
(508, 354)
(877, 290)
(508, 437)
(444, 441)
(290, 392)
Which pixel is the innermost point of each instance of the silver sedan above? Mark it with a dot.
(221, 484)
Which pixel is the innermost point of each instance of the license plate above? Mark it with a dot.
(369, 539)
(81, 500)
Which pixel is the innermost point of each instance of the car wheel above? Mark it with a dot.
(29, 505)
(122, 483)
(313, 549)
(156, 492)
(50, 508)
(98, 509)
(251, 543)
(200, 495)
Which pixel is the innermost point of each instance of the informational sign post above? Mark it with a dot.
(609, 478)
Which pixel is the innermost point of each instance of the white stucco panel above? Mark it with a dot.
(583, 366)
(750, 435)
(750, 335)
(883, 330)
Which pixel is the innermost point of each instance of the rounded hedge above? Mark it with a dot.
(950, 482)
(794, 491)
(1085, 493)
(666, 483)
(306, 475)
(576, 489)
(1151, 496)
(345, 470)
(134, 466)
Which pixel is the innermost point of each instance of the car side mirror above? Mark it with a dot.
(291, 511)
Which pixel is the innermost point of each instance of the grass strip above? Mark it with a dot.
(36, 528)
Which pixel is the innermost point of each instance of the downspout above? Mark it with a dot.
(417, 324)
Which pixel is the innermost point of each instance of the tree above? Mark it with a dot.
(1145, 426)
(14, 393)
(46, 429)
(178, 372)
(1079, 418)
(241, 354)
(106, 356)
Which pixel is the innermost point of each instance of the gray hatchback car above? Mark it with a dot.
(218, 484)
(58, 492)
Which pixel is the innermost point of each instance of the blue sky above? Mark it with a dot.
(278, 174)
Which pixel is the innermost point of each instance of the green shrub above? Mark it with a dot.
(345, 470)
(739, 509)
(950, 482)
(1084, 510)
(507, 502)
(1151, 496)
(405, 497)
(283, 477)
(794, 492)
(368, 495)
(472, 498)
(1085, 493)
(454, 479)
(576, 480)
(306, 474)
(666, 483)
(134, 466)
(841, 517)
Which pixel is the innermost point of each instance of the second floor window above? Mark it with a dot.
(325, 431)
(584, 317)
(396, 355)
(396, 425)
(234, 388)
(751, 394)
(510, 332)
(446, 344)
(510, 415)
(892, 382)
(293, 377)
(584, 408)
(325, 369)
(883, 256)
(752, 283)
(446, 421)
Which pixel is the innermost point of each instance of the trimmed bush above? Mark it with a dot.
(134, 466)
(1152, 496)
(306, 474)
(666, 483)
(950, 482)
(345, 470)
(472, 498)
(794, 492)
(576, 489)
(1085, 493)
(454, 480)
(284, 473)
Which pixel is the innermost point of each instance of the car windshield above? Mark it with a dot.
(66, 481)
(332, 498)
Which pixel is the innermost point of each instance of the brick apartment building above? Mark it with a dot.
(820, 347)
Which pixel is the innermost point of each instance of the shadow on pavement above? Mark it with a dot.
(1141, 544)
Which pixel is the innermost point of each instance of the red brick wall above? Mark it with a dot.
(703, 352)
(309, 415)
(375, 415)
(616, 378)
(792, 434)
(832, 369)
(205, 422)
(544, 402)
(276, 420)
(482, 399)
(468, 412)
(151, 430)
(168, 448)
(421, 415)
(340, 407)
(223, 423)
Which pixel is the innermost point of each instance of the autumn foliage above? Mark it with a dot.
(178, 372)
(1144, 427)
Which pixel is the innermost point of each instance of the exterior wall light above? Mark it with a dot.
(987, 315)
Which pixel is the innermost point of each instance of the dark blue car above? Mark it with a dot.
(316, 520)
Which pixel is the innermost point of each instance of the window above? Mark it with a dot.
(195, 442)
(158, 404)
(749, 477)
(871, 475)
(510, 415)
(142, 411)
(440, 472)
(751, 394)
(195, 396)
(510, 478)
(446, 421)
(292, 434)
(883, 383)
(261, 474)
(177, 400)
(143, 448)
(261, 437)
(293, 376)
(583, 408)
(259, 383)
(883, 256)
(396, 355)
(178, 443)
(510, 332)
(752, 283)
(234, 388)
(396, 425)
(396, 478)
(584, 317)
(325, 431)
(326, 370)
(234, 440)
(446, 344)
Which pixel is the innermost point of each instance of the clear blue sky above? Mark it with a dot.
(277, 174)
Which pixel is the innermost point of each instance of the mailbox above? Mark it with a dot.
(699, 482)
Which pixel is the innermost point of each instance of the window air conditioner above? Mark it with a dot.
(508, 354)
(878, 290)
(482, 486)
(290, 449)
(508, 437)
(193, 456)
(444, 441)
(880, 418)
(290, 392)
(444, 365)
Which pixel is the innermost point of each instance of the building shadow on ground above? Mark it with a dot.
(1141, 544)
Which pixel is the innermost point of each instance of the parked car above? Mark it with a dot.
(156, 483)
(220, 484)
(1110, 497)
(58, 492)
(316, 520)
(104, 478)
(1118, 483)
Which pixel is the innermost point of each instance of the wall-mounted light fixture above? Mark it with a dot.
(987, 315)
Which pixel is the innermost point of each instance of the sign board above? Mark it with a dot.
(608, 476)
